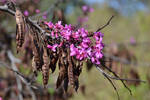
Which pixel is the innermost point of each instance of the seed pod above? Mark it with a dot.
(65, 85)
(20, 29)
(62, 72)
(89, 65)
(34, 67)
(36, 54)
(77, 72)
(70, 71)
(133, 74)
(54, 58)
(45, 67)
(76, 82)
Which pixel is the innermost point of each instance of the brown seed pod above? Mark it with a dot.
(20, 29)
(62, 72)
(70, 71)
(133, 74)
(89, 65)
(34, 67)
(37, 55)
(77, 71)
(45, 67)
(71, 65)
(54, 58)
(65, 85)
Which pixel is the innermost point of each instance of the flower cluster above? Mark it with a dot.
(81, 45)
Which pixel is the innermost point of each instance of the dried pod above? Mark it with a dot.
(37, 55)
(34, 67)
(133, 74)
(70, 71)
(28, 49)
(20, 29)
(45, 67)
(77, 71)
(89, 65)
(54, 58)
(62, 72)
(65, 85)
(76, 82)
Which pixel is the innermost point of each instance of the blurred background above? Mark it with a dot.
(126, 39)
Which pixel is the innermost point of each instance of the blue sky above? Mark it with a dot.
(93, 1)
(125, 9)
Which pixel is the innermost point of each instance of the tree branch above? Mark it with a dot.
(99, 29)
(13, 60)
(6, 9)
(108, 78)
(33, 23)
(19, 76)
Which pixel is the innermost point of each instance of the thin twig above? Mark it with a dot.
(13, 60)
(108, 78)
(116, 78)
(19, 76)
(123, 79)
(99, 29)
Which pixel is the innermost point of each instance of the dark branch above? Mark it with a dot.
(6, 9)
(109, 79)
(105, 24)
(92, 33)
(123, 79)
(33, 23)
(115, 78)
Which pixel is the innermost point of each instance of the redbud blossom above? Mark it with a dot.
(80, 45)
(26, 13)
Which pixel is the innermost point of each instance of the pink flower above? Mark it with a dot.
(73, 50)
(1, 98)
(37, 11)
(61, 43)
(53, 48)
(26, 13)
(132, 41)
(89, 51)
(83, 32)
(82, 54)
(50, 24)
(56, 35)
(87, 40)
(84, 45)
(75, 35)
(52, 34)
(91, 9)
(49, 46)
(85, 8)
